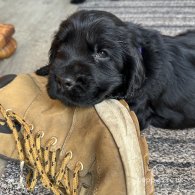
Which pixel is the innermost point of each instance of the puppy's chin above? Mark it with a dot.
(74, 98)
(84, 101)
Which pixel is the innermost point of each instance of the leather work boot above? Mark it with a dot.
(72, 150)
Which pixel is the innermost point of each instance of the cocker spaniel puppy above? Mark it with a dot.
(95, 56)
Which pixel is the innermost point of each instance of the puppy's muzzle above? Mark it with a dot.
(67, 83)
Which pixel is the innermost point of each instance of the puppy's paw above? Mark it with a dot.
(77, 1)
(43, 71)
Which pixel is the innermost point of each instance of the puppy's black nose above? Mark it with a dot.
(66, 83)
(69, 83)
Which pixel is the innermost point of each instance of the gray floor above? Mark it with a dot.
(35, 23)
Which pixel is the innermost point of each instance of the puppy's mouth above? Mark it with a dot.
(69, 88)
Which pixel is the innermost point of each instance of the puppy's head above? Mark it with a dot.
(92, 57)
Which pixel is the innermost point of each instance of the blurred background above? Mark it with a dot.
(172, 153)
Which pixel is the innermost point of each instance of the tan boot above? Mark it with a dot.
(94, 150)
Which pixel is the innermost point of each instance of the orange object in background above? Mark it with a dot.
(7, 43)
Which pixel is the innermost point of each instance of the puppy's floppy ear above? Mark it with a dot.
(134, 66)
(43, 71)
(134, 71)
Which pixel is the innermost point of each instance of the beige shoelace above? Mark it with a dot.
(42, 160)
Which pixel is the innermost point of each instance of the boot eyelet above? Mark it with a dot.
(2, 123)
(8, 110)
(41, 133)
(69, 153)
(54, 139)
(81, 165)
(31, 126)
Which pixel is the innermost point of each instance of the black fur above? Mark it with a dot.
(95, 56)
(77, 1)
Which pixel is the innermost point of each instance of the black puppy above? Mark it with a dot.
(95, 56)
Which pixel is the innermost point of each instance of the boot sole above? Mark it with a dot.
(149, 177)
(133, 148)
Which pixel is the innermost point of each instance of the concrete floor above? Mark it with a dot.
(35, 23)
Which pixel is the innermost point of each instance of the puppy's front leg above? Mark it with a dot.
(143, 111)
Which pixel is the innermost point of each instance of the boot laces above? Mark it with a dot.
(42, 160)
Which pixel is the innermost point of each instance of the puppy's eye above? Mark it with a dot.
(102, 54)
